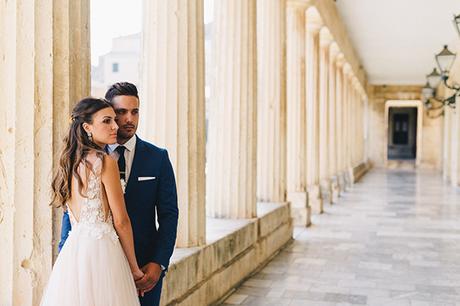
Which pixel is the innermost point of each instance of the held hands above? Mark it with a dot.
(138, 274)
(151, 275)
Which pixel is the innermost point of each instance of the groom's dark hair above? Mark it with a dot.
(121, 89)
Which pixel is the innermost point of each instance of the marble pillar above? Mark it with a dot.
(332, 123)
(324, 96)
(44, 69)
(296, 113)
(232, 150)
(271, 104)
(353, 117)
(173, 104)
(456, 143)
(340, 132)
(312, 51)
(348, 74)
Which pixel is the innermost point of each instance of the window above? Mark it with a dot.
(115, 67)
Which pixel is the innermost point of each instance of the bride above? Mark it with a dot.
(97, 265)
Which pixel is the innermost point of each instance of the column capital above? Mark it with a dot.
(298, 4)
(325, 37)
(334, 51)
(314, 22)
(347, 71)
(340, 60)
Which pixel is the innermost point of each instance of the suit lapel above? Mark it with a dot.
(136, 163)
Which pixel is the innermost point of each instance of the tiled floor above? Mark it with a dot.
(394, 239)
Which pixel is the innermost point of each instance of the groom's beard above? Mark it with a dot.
(125, 133)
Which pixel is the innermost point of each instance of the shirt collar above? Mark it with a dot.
(129, 145)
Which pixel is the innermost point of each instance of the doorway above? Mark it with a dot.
(402, 133)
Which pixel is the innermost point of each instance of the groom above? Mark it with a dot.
(150, 189)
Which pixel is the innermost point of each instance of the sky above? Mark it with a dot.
(113, 18)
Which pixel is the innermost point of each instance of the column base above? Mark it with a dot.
(341, 177)
(314, 199)
(325, 191)
(335, 189)
(300, 208)
(349, 177)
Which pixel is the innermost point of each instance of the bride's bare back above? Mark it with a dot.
(91, 204)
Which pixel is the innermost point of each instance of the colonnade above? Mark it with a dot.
(325, 107)
(285, 121)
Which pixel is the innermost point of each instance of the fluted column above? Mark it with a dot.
(44, 69)
(447, 143)
(271, 104)
(296, 113)
(347, 124)
(173, 103)
(332, 123)
(325, 183)
(361, 125)
(312, 51)
(340, 132)
(231, 180)
(354, 115)
(453, 147)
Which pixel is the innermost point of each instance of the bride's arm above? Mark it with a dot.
(121, 221)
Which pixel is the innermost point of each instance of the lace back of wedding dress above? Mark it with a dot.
(92, 203)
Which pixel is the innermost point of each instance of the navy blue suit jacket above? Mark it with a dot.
(143, 200)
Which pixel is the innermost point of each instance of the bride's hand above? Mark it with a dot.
(138, 274)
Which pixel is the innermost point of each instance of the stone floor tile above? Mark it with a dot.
(390, 240)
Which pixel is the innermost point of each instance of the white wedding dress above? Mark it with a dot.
(91, 269)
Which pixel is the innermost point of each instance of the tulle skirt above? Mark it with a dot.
(91, 270)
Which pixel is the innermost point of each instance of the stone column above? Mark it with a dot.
(296, 113)
(347, 125)
(231, 180)
(313, 26)
(454, 147)
(340, 97)
(361, 125)
(325, 183)
(447, 144)
(353, 117)
(456, 181)
(332, 120)
(44, 69)
(173, 103)
(271, 105)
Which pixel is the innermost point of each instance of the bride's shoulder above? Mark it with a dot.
(95, 160)
(109, 164)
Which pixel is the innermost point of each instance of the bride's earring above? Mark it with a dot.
(90, 136)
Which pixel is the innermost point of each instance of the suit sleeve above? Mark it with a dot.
(65, 229)
(168, 213)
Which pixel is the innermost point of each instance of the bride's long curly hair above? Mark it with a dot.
(77, 144)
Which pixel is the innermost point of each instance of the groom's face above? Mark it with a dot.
(127, 116)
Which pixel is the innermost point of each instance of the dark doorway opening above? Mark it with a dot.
(402, 133)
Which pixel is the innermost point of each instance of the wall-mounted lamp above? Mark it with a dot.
(457, 23)
(444, 59)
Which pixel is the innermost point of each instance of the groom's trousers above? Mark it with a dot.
(152, 298)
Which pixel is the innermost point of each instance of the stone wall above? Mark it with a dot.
(432, 128)
(235, 249)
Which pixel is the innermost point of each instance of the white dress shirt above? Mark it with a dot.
(130, 146)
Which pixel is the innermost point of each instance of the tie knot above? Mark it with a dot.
(120, 150)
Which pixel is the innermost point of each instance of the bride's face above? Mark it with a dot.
(103, 128)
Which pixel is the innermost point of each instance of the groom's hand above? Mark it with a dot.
(152, 274)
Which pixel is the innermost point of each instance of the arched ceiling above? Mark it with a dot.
(396, 39)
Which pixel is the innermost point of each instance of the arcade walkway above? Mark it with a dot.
(392, 240)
